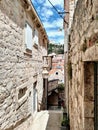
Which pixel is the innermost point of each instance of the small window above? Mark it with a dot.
(56, 73)
(28, 36)
(22, 92)
(35, 36)
(34, 97)
(34, 100)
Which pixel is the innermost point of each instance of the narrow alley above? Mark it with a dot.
(48, 64)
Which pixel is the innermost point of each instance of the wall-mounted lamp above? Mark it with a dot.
(45, 73)
(45, 60)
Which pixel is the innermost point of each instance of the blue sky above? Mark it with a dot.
(50, 18)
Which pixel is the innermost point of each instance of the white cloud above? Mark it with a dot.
(51, 21)
(46, 2)
(49, 12)
(45, 12)
(39, 1)
(60, 40)
(48, 25)
(55, 24)
(55, 34)
(54, 2)
(58, 22)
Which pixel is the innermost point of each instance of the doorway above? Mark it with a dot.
(96, 94)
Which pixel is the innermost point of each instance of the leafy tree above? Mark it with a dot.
(56, 48)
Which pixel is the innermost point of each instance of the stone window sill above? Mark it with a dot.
(28, 52)
(35, 45)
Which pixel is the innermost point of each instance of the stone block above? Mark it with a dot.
(89, 109)
(89, 124)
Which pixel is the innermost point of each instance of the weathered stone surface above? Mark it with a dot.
(83, 52)
(89, 109)
(17, 69)
(89, 124)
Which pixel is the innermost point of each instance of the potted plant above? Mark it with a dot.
(60, 87)
(65, 123)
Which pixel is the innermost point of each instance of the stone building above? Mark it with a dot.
(57, 71)
(55, 79)
(82, 67)
(23, 43)
(52, 93)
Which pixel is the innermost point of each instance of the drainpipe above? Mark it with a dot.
(66, 69)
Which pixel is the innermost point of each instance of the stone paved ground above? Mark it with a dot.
(38, 123)
(54, 122)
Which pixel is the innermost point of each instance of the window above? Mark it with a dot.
(56, 73)
(88, 95)
(35, 36)
(34, 97)
(96, 96)
(22, 92)
(34, 100)
(28, 36)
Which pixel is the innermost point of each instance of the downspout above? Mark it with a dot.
(66, 68)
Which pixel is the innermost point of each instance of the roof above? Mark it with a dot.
(54, 70)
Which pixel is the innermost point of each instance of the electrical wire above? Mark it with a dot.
(58, 12)
(40, 5)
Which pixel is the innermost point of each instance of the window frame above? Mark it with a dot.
(35, 35)
(28, 46)
(35, 98)
(96, 95)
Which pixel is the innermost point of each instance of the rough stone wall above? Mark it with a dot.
(52, 84)
(17, 69)
(83, 48)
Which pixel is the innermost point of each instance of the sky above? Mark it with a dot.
(52, 22)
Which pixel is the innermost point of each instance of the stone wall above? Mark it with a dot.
(18, 69)
(52, 84)
(83, 48)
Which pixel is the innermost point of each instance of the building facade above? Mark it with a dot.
(23, 43)
(57, 71)
(55, 80)
(83, 67)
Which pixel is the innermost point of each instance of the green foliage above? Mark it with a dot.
(56, 48)
(97, 42)
(65, 121)
(60, 87)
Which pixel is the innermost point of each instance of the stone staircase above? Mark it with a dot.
(54, 121)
